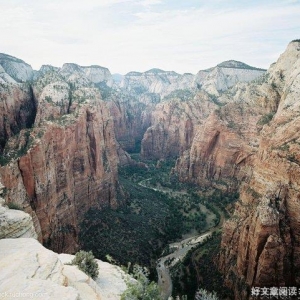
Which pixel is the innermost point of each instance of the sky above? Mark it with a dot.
(137, 35)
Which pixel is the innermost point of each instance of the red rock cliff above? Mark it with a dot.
(61, 168)
(260, 243)
(173, 126)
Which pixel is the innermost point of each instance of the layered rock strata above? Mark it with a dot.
(174, 123)
(223, 146)
(67, 163)
(260, 243)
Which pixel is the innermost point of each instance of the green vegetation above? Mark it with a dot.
(215, 100)
(156, 209)
(86, 262)
(142, 288)
(183, 95)
(104, 89)
(146, 221)
(200, 264)
(12, 205)
(23, 140)
(203, 294)
(265, 119)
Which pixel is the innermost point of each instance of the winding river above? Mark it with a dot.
(179, 250)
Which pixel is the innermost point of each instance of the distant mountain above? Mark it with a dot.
(234, 64)
(16, 68)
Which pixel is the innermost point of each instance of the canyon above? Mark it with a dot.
(66, 131)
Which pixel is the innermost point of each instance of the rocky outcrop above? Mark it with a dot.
(16, 68)
(221, 152)
(173, 120)
(14, 223)
(174, 123)
(260, 243)
(132, 117)
(17, 110)
(30, 270)
(156, 81)
(225, 75)
(84, 75)
(66, 164)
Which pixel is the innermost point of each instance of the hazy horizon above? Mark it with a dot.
(138, 35)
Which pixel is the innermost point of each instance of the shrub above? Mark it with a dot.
(265, 119)
(12, 205)
(86, 262)
(142, 288)
(203, 294)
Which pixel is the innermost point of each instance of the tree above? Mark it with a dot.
(203, 294)
(86, 262)
(141, 288)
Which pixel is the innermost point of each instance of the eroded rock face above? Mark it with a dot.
(70, 168)
(132, 117)
(225, 75)
(66, 164)
(17, 110)
(156, 81)
(16, 68)
(260, 244)
(14, 223)
(27, 268)
(174, 123)
(180, 108)
(221, 152)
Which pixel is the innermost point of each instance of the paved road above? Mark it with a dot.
(180, 249)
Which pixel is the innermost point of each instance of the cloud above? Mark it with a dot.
(129, 35)
(149, 2)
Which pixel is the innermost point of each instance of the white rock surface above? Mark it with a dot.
(27, 268)
(98, 74)
(226, 75)
(214, 80)
(86, 75)
(4, 77)
(16, 68)
(110, 281)
(157, 81)
(14, 223)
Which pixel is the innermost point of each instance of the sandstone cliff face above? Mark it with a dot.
(223, 146)
(30, 270)
(225, 75)
(132, 117)
(174, 123)
(260, 244)
(66, 164)
(178, 112)
(17, 110)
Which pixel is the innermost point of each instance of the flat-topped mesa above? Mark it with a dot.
(16, 68)
(98, 74)
(95, 74)
(260, 243)
(225, 75)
